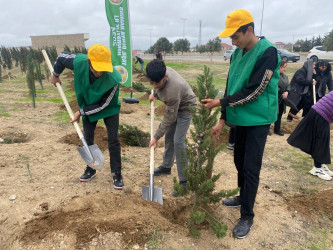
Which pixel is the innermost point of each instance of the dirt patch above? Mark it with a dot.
(89, 217)
(159, 110)
(73, 104)
(312, 205)
(13, 136)
(144, 97)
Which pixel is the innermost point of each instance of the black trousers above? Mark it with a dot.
(249, 149)
(277, 124)
(112, 125)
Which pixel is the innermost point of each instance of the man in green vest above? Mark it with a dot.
(96, 84)
(250, 104)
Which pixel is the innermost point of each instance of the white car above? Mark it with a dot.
(228, 54)
(318, 53)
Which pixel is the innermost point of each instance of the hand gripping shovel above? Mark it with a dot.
(150, 193)
(92, 155)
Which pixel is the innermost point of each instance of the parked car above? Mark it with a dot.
(228, 54)
(318, 53)
(288, 56)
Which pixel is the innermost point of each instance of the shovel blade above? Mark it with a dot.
(98, 157)
(157, 194)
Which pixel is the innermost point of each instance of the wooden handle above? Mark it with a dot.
(63, 96)
(152, 114)
(314, 93)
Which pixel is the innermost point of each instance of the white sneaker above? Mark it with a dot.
(321, 173)
(326, 169)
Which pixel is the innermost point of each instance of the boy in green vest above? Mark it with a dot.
(250, 104)
(96, 84)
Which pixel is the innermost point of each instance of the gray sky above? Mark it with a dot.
(283, 21)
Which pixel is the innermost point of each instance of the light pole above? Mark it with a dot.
(184, 19)
(150, 36)
(262, 15)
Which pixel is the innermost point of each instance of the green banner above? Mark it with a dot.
(117, 13)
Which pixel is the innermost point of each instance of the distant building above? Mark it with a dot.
(225, 47)
(59, 41)
(137, 52)
(282, 45)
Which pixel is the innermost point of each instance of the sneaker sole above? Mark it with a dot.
(86, 180)
(118, 188)
(231, 206)
(320, 176)
(161, 174)
(242, 237)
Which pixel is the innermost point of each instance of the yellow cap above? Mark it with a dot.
(100, 58)
(234, 21)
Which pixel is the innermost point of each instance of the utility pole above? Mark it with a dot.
(184, 19)
(200, 32)
(150, 36)
(262, 15)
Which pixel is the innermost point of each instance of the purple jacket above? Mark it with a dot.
(324, 107)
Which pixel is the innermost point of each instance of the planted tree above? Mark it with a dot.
(66, 48)
(39, 74)
(31, 81)
(182, 45)
(200, 48)
(133, 136)
(213, 45)
(201, 154)
(163, 44)
(328, 42)
(6, 57)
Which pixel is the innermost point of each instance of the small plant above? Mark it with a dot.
(133, 136)
(140, 87)
(31, 82)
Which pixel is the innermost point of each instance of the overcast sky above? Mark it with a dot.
(283, 20)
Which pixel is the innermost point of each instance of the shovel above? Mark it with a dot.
(150, 193)
(92, 155)
(314, 93)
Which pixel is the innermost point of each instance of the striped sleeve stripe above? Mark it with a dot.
(254, 95)
(107, 103)
(65, 55)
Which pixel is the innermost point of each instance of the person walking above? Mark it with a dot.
(250, 105)
(176, 93)
(96, 84)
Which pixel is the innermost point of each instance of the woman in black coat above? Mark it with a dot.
(323, 77)
(301, 90)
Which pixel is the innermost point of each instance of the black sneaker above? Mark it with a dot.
(232, 202)
(230, 146)
(118, 181)
(161, 171)
(280, 133)
(88, 174)
(243, 228)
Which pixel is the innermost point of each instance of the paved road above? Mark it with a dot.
(198, 57)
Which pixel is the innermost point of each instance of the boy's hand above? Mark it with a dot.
(54, 79)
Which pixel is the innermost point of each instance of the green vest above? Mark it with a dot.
(262, 110)
(88, 94)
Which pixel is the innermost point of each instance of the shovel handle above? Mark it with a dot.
(63, 96)
(314, 93)
(152, 114)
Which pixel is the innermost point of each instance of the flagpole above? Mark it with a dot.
(130, 34)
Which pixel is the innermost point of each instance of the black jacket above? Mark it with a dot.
(301, 83)
(324, 79)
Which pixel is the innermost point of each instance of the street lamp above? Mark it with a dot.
(184, 19)
(150, 36)
(262, 15)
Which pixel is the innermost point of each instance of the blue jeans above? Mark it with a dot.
(175, 145)
(112, 124)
